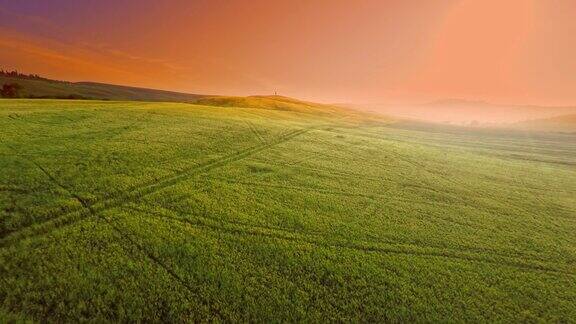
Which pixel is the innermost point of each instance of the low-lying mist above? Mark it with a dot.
(476, 113)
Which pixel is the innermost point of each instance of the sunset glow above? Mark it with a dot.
(367, 161)
(513, 51)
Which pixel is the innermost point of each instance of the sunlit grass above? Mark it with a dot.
(122, 211)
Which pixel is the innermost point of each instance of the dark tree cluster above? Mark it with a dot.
(10, 90)
(16, 74)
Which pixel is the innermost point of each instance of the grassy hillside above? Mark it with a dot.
(92, 90)
(269, 103)
(44, 88)
(127, 211)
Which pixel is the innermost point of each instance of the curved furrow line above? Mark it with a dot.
(70, 216)
(379, 247)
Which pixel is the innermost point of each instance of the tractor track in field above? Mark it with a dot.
(96, 212)
(401, 248)
(166, 181)
(208, 165)
(137, 191)
(192, 296)
(462, 187)
(374, 202)
(255, 131)
(381, 195)
(446, 178)
(153, 258)
(339, 174)
(334, 192)
(320, 190)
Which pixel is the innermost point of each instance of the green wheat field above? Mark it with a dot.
(136, 211)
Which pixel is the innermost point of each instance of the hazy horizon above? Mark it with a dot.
(517, 52)
(445, 111)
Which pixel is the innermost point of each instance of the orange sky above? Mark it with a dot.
(507, 51)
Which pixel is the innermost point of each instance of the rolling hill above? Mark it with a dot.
(47, 89)
(44, 88)
(271, 103)
(176, 212)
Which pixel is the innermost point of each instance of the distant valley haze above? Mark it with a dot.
(466, 112)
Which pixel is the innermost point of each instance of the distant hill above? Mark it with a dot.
(565, 124)
(466, 112)
(269, 103)
(44, 88)
(34, 86)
